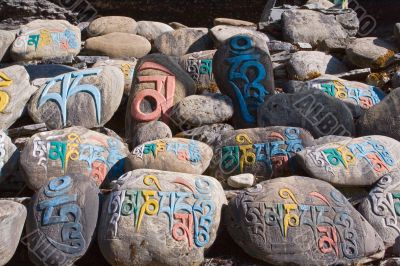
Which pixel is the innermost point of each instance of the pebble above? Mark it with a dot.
(241, 181)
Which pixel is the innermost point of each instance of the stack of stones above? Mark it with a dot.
(122, 141)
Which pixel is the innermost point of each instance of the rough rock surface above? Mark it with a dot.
(110, 24)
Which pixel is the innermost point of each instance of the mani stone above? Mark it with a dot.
(111, 24)
(41, 39)
(12, 221)
(159, 83)
(301, 221)
(9, 157)
(172, 154)
(354, 162)
(307, 65)
(241, 181)
(314, 111)
(382, 119)
(15, 92)
(62, 218)
(370, 52)
(309, 26)
(118, 45)
(247, 82)
(235, 22)
(86, 98)
(199, 66)
(6, 40)
(174, 218)
(381, 208)
(152, 29)
(264, 152)
(127, 68)
(75, 150)
(209, 134)
(149, 131)
(199, 110)
(183, 41)
(221, 33)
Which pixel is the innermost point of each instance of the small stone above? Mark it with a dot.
(118, 45)
(334, 45)
(241, 181)
(152, 29)
(278, 46)
(322, 4)
(150, 131)
(209, 134)
(235, 22)
(6, 40)
(222, 33)
(177, 25)
(111, 24)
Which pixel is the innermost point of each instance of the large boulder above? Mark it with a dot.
(110, 24)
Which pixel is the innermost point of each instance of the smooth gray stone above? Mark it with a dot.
(210, 134)
(111, 24)
(150, 131)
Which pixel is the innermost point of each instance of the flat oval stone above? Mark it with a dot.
(209, 134)
(74, 150)
(15, 92)
(86, 98)
(13, 216)
(241, 181)
(151, 131)
(62, 218)
(118, 45)
(162, 218)
(9, 157)
(314, 111)
(152, 29)
(242, 64)
(264, 152)
(173, 154)
(355, 162)
(330, 138)
(301, 221)
(235, 22)
(221, 33)
(110, 24)
(46, 38)
(6, 40)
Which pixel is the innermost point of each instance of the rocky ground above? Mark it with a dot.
(129, 142)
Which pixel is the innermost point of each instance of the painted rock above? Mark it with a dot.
(152, 29)
(118, 45)
(74, 150)
(264, 152)
(183, 41)
(127, 68)
(6, 40)
(47, 70)
(209, 134)
(355, 162)
(243, 70)
(301, 221)
(381, 208)
(320, 114)
(173, 154)
(159, 83)
(110, 24)
(9, 157)
(173, 220)
(222, 33)
(370, 52)
(13, 216)
(199, 66)
(46, 38)
(382, 119)
(199, 110)
(307, 65)
(62, 217)
(86, 98)
(150, 131)
(15, 92)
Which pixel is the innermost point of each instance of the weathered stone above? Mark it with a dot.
(9, 157)
(62, 238)
(90, 60)
(183, 41)
(397, 32)
(330, 139)
(222, 33)
(263, 152)
(152, 29)
(174, 236)
(150, 131)
(370, 52)
(210, 134)
(320, 114)
(235, 22)
(237, 77)
(382, 119)
(278, 46)
(111, 24)
(6, 40)
(199, 110)
(74, 150)
(276, 222)
(13, 216)
(127, 68)
(323, 4)
(173, 154)
(199, 66)
(15, 92)
(47, 70)
(86, 98)
(118, 45)
(354, 162)
(159, 83)
(177, 25)
(46, 38)
(306, 65)
(396, 79)
(241, 181)
(334, 45)
(381, 208)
